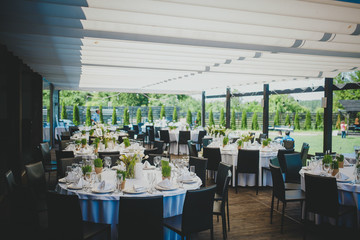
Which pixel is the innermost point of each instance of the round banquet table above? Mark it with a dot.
(104, 208)
(349, 194)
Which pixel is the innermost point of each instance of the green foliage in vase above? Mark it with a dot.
(83, 141)
(138, 115)
(297, 121)
(277, 118)
(266, 142)
(88, 117)
(225, 141)
(175, 115)
(240, 142)
(105, 142)
(150, 115)
(126, 117)
(83, 132)
(327, 159)
(76, 116)
(162, 112)
(85, 169)
(126, 142)
(340, 158)
(233, 121)
(91, 132)
(308, 121)
(189, 117)
(63, 111)
(254, 122)
(243, 120)
(98, 163)
(198, 118)
(211, 119)
(101, 115)
(114, 117)
(338, 122)
(318, 121)
(222, 118)
(165, 169)
(287, 120)
(334, 164)
(122, 173)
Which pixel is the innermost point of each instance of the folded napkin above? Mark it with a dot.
(139, 188)
(70, 177)
(105, 186)
(186, 177)
(166, 184)
(79, 183)
(147, 164)
(341, 176)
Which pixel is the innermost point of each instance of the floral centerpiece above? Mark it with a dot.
(216, 131)
(83, 142)
(165, 169)
(244, 139)
(126, 142)
(98, 163)
(340, 159)
(266, 142)
(130, 159)
(225, 141)
(335, 167)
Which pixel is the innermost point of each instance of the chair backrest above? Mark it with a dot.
(150, 151)
(114, 158)
(201, 135)
(64, 216)
(63, 163)
(65, 135)
(263, 136)
(45, 151)
(223, 178)
(103, 154)
(213, 156)
(36, 176)
(131, 134)
(73, 129)
(192, 149)
(156, 132)
(278, 182)
(150, 133)
(206, 141)
(164, 136)
(136, 129)
(184, 136)
(64, 144)
(293, 166)
(288, 144)
(159, 145)
(10, 181)
(146, 212)
(275, 162)
(200, 168)
(198, 210)
(252, 139)
(248, 161)
(120, 139)
(281, 158)
(126, 128)
(321, 195)
(304, 153)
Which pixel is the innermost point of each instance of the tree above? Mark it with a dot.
(243, 120)
(233, 121)
(101, 115)
(287, 120)
(138, 115)
(114, 117)
(308, 121)
(211, 119)
(126, 116)
(297, 121)
(162, 112)
(48, 114)
(88, 116)
(63, 111)
(198, 118)
(318, 120)
(222, 117)
(353, 94)
(254, 122)
(76, 115)
(277, 118)
(150, 115)
(338, 121)
(175, 115)
(189, 117)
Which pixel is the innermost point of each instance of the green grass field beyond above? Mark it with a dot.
(315, 139)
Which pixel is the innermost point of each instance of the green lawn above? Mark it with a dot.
(315, 140)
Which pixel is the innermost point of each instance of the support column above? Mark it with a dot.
(54, 112)
(328, 94)
(203, 114)
(228, 99)
(266, 110)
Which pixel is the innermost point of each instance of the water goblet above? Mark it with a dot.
(88, 181)
(107, 162)
(326, 168)
(192, 170)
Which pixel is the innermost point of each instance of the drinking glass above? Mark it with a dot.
(119, 180)
(107, 162)
(192, 170)
(88, 181)
(157, 161)
(326, 168)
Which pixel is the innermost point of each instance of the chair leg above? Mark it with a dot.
(277, 207)
(212, 233)
(257, 183)
(109, 233)
(272, 208)
(282, 217)
(228, 217)
(236, 181)
(223, 218)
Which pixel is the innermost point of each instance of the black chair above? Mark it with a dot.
(150, 135)
(63, 163)
(159, 145)
(197, 213)
(253, 136)
(322, 198)
(131, 134)
(65, 219)
(148, 151)
(293, 166)
(304, 153)
(126, 128)
(192, 149)
(248, 162)
(146, 212)
(199, 142)
(221, 195)
(73, 129)
(10, 182)
(165, 137)
(282, 194)
(65, 135)
(267, 169)
(184, 136)
(103, 154)
(200, 168)
(213, 156)
(49, 166)
(59, 155)
(288, 144)
(136, 129)
(281, 158)
(36, 181)
(64, 144)
(288, 186)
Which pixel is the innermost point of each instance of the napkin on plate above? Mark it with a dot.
(166, 184)
(78, 184)
(341, 176)
(139, 188)
(147, 164)
(105, 186)
(70, 177)
(186, 177)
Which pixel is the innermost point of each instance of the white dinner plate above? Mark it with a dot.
(132, 191)
(189, 181)
(95, 190)
(62, 180)
(165, 189)
(73, 187)
(149, 168)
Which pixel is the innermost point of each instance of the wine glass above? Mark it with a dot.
(156, 161)
(88, 181)
(326, 168)
(107, 162)
(119, 180)
(192, 170)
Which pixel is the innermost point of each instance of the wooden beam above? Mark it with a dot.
(328, 94)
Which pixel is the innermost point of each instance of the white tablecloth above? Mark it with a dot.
(104, 208)
(183, 150)
(349, 194)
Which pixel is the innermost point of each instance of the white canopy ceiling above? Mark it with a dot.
(181, 46)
